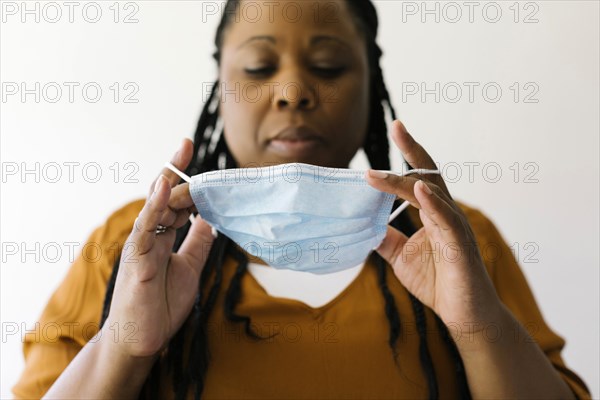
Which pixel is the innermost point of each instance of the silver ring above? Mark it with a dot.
(161, 229)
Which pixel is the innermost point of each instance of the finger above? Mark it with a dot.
(196, 245)
(412, 151)
(144, 230)
(179, 207)
(439, 217)
(180, 160)
(391, 246)
(176, 220)
(414, 154)
(401, 186)
(180, 198)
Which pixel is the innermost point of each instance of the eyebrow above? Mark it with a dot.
(323, 38)
(253, 38)
(313, 41)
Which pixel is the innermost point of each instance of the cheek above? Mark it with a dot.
(350, 107)
(241, 121)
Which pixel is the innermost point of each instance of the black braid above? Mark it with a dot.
(234, 293)
(109, 291)
(459, 367)
(391, 311)
(424, 355)
(376, 147)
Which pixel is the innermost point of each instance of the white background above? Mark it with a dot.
(167, 55)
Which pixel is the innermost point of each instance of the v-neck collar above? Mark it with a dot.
(300, 304)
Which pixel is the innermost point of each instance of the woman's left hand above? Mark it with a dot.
(440, 264)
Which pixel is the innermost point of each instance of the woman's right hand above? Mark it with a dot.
(156, 288)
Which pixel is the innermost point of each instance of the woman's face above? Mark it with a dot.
(294, 84)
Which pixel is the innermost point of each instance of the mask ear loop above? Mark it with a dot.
(178, 172)
(188, 180)
(406, 203)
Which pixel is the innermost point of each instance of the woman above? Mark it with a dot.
(173, 304)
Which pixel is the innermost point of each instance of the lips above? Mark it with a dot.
(296, 133)
(295, 141)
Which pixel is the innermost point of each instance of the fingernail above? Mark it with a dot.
(377, 174)
(426, 188)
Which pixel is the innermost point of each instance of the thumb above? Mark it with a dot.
(391, 246)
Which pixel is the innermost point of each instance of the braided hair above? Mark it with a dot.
(211, 153)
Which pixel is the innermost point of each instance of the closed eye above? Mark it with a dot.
(325, 72)
(260, 71)
(328, 72)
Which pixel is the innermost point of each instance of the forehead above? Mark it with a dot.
(291, 21)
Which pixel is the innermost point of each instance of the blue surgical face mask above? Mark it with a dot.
(296, 216)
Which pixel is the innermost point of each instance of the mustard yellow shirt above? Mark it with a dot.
(339, 350)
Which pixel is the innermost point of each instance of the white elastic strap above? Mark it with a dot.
(398, 210)
(178, 172)
(422, 171)
(186, 178)
(406, 203)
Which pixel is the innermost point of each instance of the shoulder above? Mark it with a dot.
(80, 294)
(99, 252)
(482, 225)
(495, 251)
(490, 242)
(75, 307)
(122, 219)
(109, 237)
(497, 254)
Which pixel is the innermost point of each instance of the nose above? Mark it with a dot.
(294, 93)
